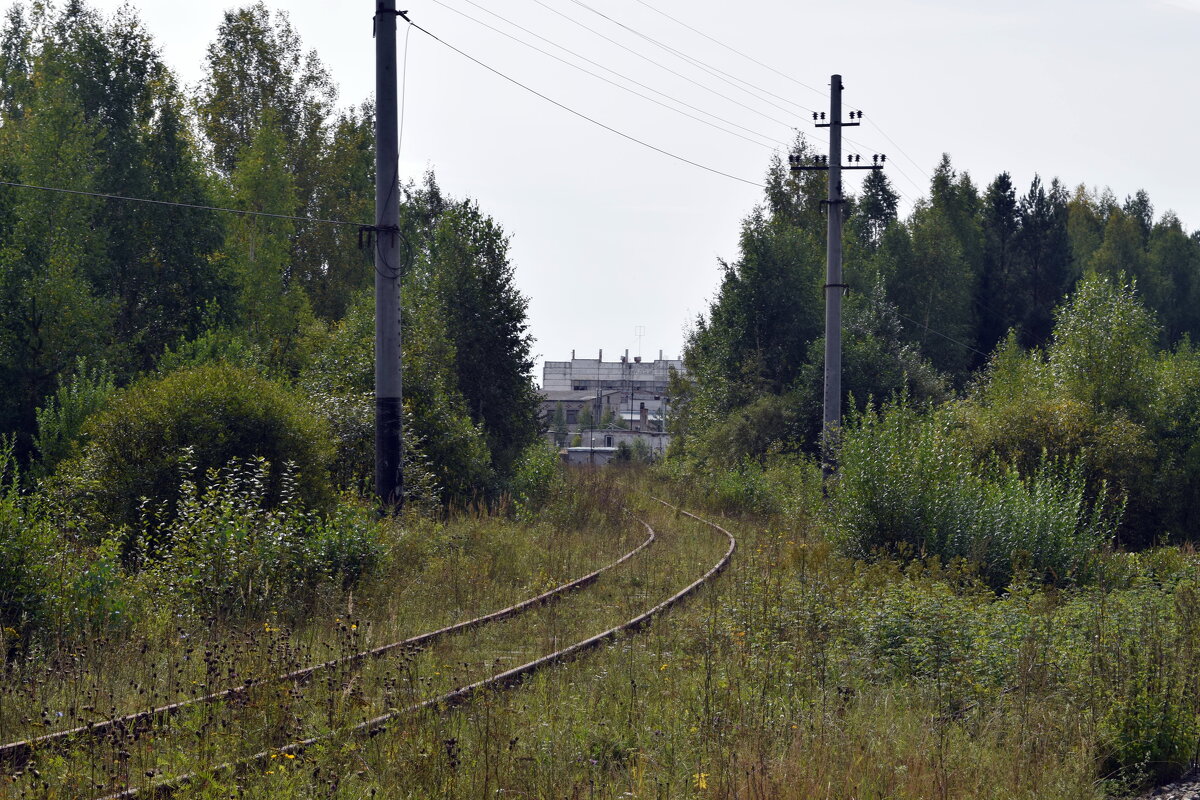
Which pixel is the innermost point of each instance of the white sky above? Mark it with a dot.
(607, 235)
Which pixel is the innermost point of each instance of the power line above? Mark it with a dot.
(583, 116)
(195, 206)
(664, 67)
(898, 147)
(619, 74)
(944, 336)
(612, 82)
(764, 66)
(733, 49)
(891, 164)
(403, 94)
(716, 72)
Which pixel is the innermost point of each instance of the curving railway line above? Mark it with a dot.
(112, 740)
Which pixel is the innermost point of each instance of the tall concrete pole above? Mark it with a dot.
(833, 285)
(389, 444)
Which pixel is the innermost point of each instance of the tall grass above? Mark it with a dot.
(229, 551)
(803, 672)
(907, 484)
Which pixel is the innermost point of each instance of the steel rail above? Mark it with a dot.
(16, 755)
(502, 680)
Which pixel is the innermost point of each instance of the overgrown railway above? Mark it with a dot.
(155, 752)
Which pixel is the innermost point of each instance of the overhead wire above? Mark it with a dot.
(924, 326)
(614, 83)
(766, 66)
(664, 67)
(403, 90)
(733, 49)
(390, 271)
(691, 59)
(340, 222)
(194, 206)
(716, 72)
(936, 332)
(583, 116)
(899, 148)
(891, 164)
(623, 76)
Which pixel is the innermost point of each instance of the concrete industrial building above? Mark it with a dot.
(632, 392)
(582, 374)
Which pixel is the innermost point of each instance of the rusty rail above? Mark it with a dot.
(16, 755)
(509, 678)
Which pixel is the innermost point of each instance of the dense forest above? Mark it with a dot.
(1045, 324)
(110, 311)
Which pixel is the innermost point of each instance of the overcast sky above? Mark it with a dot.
(608, 235)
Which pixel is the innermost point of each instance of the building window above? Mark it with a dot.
(580, 387)
(572, 416)
(608, 441)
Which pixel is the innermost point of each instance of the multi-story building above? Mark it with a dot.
(632, 392)
(595, 374)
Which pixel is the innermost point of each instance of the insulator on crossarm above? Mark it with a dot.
(882, 158)
(822, 115)
(814, 116)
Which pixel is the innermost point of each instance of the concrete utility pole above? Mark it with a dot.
(389, 443)
(835, 287)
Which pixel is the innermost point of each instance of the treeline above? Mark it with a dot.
(1048, 324)
(102, 299)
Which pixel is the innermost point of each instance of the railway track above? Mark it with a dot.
(14, 756)
(138, 740)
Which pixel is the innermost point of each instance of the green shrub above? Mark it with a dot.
(750, 432)
(216, 344)
(236, 551)
(444, 449)
(49, 582)
(215, 413)
(1020, 410)
(535, 476)
(350, 418)
(908, 482)
(60, 420)
(744, 489)
(1152, 737)
(1103, 347)
(26, 550)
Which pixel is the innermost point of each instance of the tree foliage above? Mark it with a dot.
(87, 103)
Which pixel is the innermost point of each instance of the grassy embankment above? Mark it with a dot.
(804, 672)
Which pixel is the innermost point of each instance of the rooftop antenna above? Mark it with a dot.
(639, 331)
